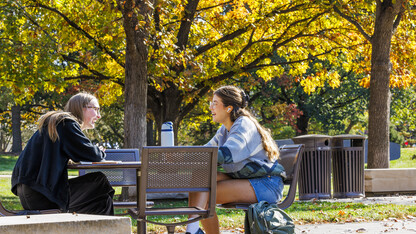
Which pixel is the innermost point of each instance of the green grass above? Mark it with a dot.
(341, 212)
(6, 164)
(7, 198)
(301, 212)
(405, 160)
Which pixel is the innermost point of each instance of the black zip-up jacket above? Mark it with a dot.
(43, 164)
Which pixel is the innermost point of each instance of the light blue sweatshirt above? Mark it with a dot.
(241, 152)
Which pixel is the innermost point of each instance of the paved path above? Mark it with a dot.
(386, 226)
(399, 200)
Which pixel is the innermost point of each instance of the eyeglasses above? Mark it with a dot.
(97, 109)
(213, 104)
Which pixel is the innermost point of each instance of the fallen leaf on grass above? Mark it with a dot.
(341, 213)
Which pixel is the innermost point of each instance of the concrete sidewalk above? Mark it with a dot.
(386, 226)
(398, 200)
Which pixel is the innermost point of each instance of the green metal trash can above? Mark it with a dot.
(315, 168)
(348, 166)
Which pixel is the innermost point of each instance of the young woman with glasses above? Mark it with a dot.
(40, 176)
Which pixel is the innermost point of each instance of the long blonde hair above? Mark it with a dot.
(235, 97)
(50, 120)
(73, 110)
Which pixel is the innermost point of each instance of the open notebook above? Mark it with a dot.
(101, 162)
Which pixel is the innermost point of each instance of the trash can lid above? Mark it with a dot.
(311, 136)
(349, 136)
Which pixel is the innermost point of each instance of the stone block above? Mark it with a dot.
(390, 181)
(65, 223)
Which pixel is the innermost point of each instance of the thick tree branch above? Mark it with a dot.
(86, 34)
(14, 42)
(292, 62)
(29, 17)
(347, 102)
(188, 107)
(353, 22)
(115, 132)
(213, 6)
(204, 88)
(251, 66)
(278, 43)
(243, 30)
(186, 23)
(245, 48)
(225, 38)
(87, 77)
(398, 19)
(97, 75)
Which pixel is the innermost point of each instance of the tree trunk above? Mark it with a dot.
(135, 85)
(16, 130)
(150, 133)
(166, 106)
(380, 96)
(302, 122)
(302, 125)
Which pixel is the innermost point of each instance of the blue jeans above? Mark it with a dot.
(269, 188)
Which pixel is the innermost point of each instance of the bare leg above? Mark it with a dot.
(201, 200)
(211, 225)
(229, 190)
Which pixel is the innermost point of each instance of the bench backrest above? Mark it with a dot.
(289, 155)
(290, 158)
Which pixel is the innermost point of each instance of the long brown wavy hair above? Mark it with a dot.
(235, 97)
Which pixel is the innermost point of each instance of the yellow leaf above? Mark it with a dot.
(341, 213)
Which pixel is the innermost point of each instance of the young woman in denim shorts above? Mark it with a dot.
(247, 153)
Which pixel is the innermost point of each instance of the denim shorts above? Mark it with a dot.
(269, 188)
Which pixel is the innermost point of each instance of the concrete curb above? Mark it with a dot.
(65, 224)
(388, 226)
